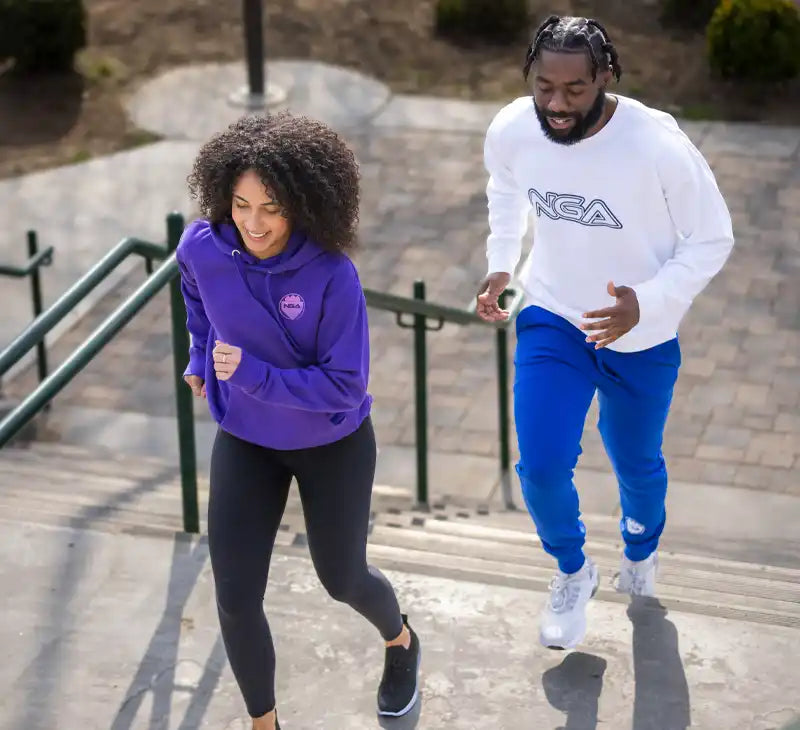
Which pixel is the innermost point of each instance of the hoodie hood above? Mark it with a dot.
(299, 250)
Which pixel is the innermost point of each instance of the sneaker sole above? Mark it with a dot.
(414, 698)
(572, 644)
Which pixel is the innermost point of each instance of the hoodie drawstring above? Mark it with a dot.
(237, 259)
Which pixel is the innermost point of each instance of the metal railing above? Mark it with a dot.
(166, 274)
(427, 317)
(412, 313)
(35, 333)
(36, 259)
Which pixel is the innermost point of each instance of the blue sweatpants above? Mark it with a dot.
(557, 375)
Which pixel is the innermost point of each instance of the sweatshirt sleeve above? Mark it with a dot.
(338, 381)
(196, 320)
(508, 206)
(704, 231)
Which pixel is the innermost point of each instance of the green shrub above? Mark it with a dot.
(755, 40)
(494, 20)
(693, 14)
(42, 35)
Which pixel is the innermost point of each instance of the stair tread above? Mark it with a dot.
(459, 567)
(521, 556)
(672, 572)
(526, 535)
(63, 485)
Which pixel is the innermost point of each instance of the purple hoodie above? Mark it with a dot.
(301, 320)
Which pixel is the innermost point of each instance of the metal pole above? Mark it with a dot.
(421, 399)
(183, 396)
(253, 17)
(36, 297)
(259, 94)
(503, 412)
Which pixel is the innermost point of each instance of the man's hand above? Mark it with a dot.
(197, 384)
(614, 321)
(490, 290)
(226, 359)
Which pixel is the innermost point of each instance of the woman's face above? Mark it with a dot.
(260, 218)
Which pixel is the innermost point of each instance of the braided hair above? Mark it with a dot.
(568, 34)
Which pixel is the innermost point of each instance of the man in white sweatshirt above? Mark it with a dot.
(629, 227)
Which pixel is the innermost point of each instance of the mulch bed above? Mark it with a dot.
(50, 121)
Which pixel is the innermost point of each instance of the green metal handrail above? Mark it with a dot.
(36, 259)
(34, 334)
(424, 317)
(166, 274)
(422, 311)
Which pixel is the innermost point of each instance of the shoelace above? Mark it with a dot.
(564, 593)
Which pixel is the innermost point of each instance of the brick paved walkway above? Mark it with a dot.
(736, 413)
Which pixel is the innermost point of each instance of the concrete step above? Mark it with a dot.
(517, 528)
(64, 486)
(67, 457)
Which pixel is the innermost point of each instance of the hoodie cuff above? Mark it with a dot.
(251, 373)
(503, 262)
(197, 364)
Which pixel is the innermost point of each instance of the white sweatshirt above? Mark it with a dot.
(635, 204)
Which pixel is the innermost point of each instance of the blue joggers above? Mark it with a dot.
(557, 375)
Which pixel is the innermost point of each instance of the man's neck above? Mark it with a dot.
(609, 108)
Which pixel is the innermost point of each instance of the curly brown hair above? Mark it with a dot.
(308, 167)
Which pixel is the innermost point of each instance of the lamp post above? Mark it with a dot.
(258, 94)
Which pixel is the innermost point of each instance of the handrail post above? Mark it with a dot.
(421, 398)
(503, 411)
(36, 299)
(183, 396)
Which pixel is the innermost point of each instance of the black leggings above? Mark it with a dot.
(249, 489)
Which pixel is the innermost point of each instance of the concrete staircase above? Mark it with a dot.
(106, 600)
(69, 486)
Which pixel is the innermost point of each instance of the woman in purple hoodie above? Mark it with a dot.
(280, 348)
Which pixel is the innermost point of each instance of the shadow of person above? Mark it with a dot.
(157, 677)
(574, 687)
(662, 692)
(406, 722)
(38, 108)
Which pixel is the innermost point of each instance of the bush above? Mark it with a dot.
(693, 14)
(494, 20)
(42, 35)
(755, 40)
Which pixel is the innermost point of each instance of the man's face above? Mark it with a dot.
(568, 101)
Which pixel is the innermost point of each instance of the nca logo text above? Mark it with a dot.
(573, 208)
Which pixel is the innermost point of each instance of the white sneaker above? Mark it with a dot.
(563, 623)
(637, 578)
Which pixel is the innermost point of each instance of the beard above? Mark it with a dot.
(582, 122)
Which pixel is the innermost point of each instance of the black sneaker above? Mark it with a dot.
(399, 688)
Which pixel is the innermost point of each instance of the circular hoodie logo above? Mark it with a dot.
(292, 306)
